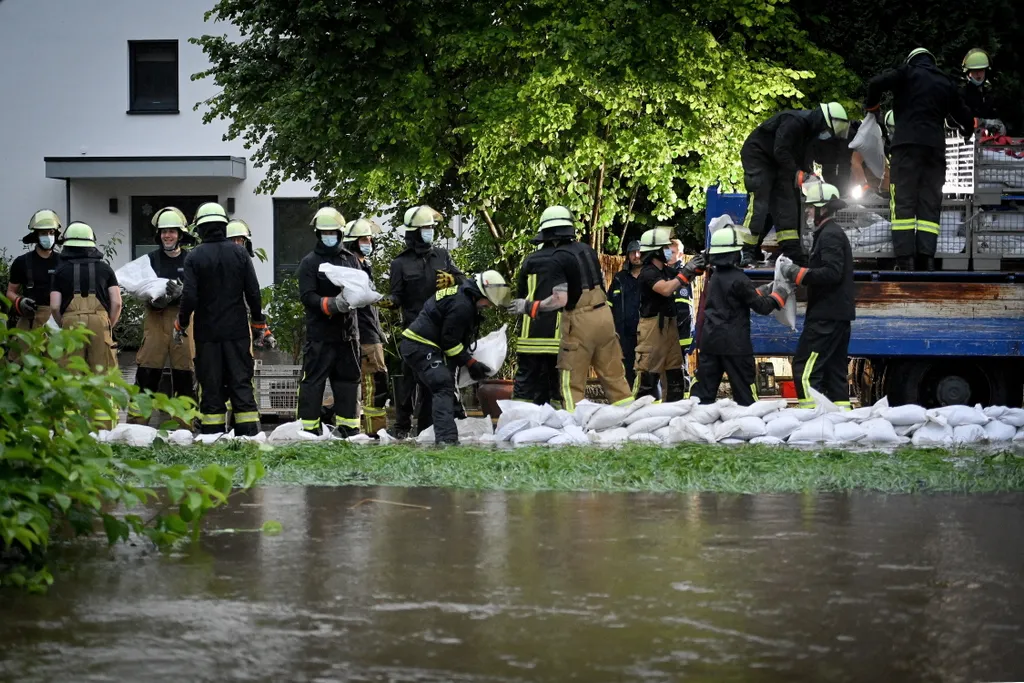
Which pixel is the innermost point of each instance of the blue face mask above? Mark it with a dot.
(330, 241)
(427, 235)
(667, 253)
(825, 135)
(366, 249)
(46, 241)
(976, 81)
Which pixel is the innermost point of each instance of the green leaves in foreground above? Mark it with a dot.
(633, 468)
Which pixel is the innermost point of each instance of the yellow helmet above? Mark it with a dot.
(79, 234)
(493, 286)
(976, 59)
(655, 240)
(44, 219)
(420, 217)
(836, 118)
(238, 228)
(919, 51)
(725, 240)
(361, 227)
(210, 212)
(172, 218)
(328, 218)
(819, 194)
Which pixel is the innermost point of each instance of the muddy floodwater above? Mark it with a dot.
(495, 586)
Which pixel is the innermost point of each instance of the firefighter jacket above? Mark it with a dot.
(221, 289)
(414, 277)
(684, 315)
(652, 304)
(449, 321)
(370, 331)
(731, 297)
(829, 275)
(787, 138)
(624, 299)
(978, 100)
(923, 97)
(315, 289)
(540, 273)
(589, 266)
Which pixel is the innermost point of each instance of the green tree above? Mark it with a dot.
(498, 109)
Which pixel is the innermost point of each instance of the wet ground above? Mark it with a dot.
(494, 586)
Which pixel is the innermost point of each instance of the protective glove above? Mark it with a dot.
(790, 271)
(161, 302)
(693, 268)
(801, 178)
(262, 336)
(765, 290)
(517, 307)
(269, 342)
(336, 304)
(174, 289)
(178, 335)
(25, 306)
(386, 303)
(477, 370)
(993, 126)
(444, 280)
(782, 292)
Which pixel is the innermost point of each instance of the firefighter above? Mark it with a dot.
(359, 236)
(776, 159)
(32, 273)
(439, 340)
(543, 290)
(588, 329)
(624, 300)
(331, 350)
(416, 275)
(725, 345)
(976, 94)
(821, 355)
(238, 232)
(923, 97)
(85, 293)
(220, 288)
(657, 349)
(158, 327)
(684, 309)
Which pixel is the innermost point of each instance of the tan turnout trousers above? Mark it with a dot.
(375, 388)
(657, 350)
(589, 339)
(158, 342)
(99, 351)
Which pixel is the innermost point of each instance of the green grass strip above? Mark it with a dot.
(743, 469)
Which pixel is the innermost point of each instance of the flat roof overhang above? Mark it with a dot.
(111, 168)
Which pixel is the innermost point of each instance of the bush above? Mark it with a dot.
(128, 331)
(57, 479)
(286, 316)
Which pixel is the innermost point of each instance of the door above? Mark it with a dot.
(143, 239)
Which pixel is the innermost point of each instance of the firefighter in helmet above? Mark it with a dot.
(31, 273)
(238, 232)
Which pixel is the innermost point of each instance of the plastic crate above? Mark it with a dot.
(997, 236)
(277, 389)
(960, 162)
(999, 172)
(869, 230)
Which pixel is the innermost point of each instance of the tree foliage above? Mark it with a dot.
(498, 109)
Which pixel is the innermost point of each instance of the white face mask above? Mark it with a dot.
(329, 241)
(366, 249)
(46, 241)
(976, 81)
(427, 235)
(668, 255)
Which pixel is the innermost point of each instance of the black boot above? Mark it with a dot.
(749, 256)
(927, 263)
(904, 263)
(344, 432)
(648, 384)
(676, 389)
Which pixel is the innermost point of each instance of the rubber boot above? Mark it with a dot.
(905, 263)
(647, 385)
(926, 263)
(676, 389)
(749, 256)
(344, 432)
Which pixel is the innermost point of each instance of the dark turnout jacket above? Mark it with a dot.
(449, 321)
(923, 97)
(731, 297)
(322, 326)
(370, 331)
(220, 281)
(787, 138)
(829, 275)
(414, 277)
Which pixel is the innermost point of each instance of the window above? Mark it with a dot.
(293, 235)
(143, 208)
(153, 77)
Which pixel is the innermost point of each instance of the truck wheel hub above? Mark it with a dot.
(953, 390)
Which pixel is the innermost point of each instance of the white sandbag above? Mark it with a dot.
(879, 431)
(180, 437)
(666, 435)
(609, 417)
(669, 410)
(904, 415)
(520, 410)
(730, 441)
(997, 431)
(290, 432)
(473, 428)
(140, 280)
(1013, 416)
(968, 434)
(787, 314)
(508, 430)
(357, 289)
(685, 430)
(823, 404)
(868, 141)
(584, 411)
(639, 403)
(995, 412)
(802, 414)
(848, 432)
(880, 407)
(743, 428)
(560, 440)
(908, 430)
(645, 437)
(860, 414)
(139, 436)
(648, 425)
(956, 416)
(490, 350)
(534, 435)
(733, 413)
(210, 439)
(360, 438)
(783, 427)
(933, 434)
(1019, 436)
(575, 434)
(704, 414)
(762, 408)
(560, 419)
(818, 430)
(838, 418)
(384, 438)
(609, 436)
(767, 441)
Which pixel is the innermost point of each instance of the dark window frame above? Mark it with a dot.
(132, 105)
(301, 232)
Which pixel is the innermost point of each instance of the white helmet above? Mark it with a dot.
(493, 286)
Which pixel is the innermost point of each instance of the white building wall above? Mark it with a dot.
(64, 87)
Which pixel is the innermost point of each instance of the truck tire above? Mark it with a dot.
(953, 381)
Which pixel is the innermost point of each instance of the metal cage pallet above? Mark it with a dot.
(277, 389)
(999, 171)
(869, 230)
(960, 165)
(996, 236)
